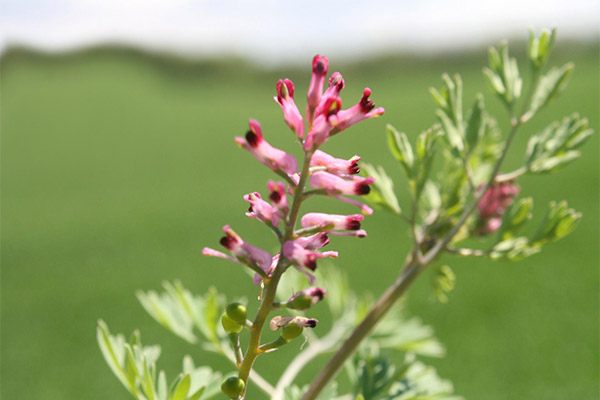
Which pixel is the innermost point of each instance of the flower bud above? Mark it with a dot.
(291, 332)
(233, 387)
(237, 312)
(230, 325)
(305, 299)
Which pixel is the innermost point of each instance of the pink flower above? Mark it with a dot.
(322, 125)
(334, 165)
(264, 152)
(278, 196)
(314, 242)
(364, 109)
(243, 252)
(334, 184)
(295, 252)
(336, 84)
(315, 90)
(261, 210)
(339, 222)
(494, 203)
(285, 98)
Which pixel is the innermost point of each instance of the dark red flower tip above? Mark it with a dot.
(311, 262)
(311, 323)
(275, 196)
(252, 138)
(353, 225)
(366, 105)
(227, 242)
(319, 293)
(324, 239)
(362, 188)
(354, 168)
(320, 65)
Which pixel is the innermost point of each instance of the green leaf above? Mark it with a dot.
(494, 81)
(135, 366)
(503, 75)
(439, 100)
(476, 125)
(538, 49)
(443, 283)
(401, 148)
(113, 350)
(554, 146)
(452, 133)
(162, 388)
(382, 191)
(182, 388)
(550, 86)
(558, 223)
(515, 218)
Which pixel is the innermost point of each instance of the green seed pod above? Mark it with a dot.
(291, 332)
(230, 325)
(237, 312)
(233, 387)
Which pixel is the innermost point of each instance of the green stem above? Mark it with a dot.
(266, 305)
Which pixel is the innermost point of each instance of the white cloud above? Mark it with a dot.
(285, 30)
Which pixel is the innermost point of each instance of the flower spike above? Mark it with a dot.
(264, 152)
(285, 98)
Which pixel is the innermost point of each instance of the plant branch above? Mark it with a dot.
(412, 268)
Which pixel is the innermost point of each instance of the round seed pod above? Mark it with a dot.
(230, 325)
(237, 312)
(233, 387)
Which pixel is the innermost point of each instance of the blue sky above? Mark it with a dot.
(287, 31)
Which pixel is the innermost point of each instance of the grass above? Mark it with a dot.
(118, 167)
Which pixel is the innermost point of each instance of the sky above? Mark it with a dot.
(282, 31)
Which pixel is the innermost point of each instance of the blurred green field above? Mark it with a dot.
(119, 167)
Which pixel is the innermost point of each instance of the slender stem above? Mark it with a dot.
(286, 177)
(411, 270)
(234, 338)
(268, 298)
(254, 376)
(275, 344)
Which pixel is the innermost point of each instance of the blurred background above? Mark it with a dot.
(119, 166)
